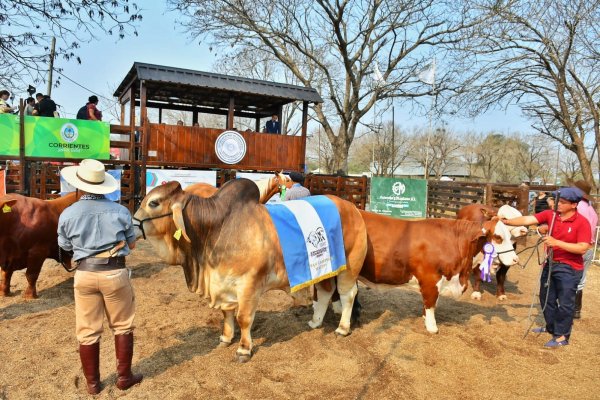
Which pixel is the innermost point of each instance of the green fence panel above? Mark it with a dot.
(66, 138)
(399, 197)
(9, 135)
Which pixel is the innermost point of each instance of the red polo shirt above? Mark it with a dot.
(575, 229)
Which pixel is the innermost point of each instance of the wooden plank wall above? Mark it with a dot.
(194, 147)
(353, 189)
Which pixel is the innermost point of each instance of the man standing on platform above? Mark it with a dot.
(273, 125)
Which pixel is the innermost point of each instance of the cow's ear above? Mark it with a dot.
(485, 212)
(178, 219)
(5, 205)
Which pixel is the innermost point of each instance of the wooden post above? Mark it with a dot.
(22, 169)
(144, 155)
(122, 113)
(131, 148)
(523, 199)
(229, 124)
(257, 126)
(489, 195)
(304, 129)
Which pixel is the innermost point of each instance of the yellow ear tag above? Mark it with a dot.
(177, 234)
(6, 209)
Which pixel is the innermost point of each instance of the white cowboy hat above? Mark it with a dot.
(91, 177)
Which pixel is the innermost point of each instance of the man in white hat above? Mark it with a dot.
(100, 234)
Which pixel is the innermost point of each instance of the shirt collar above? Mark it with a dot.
(91, 196)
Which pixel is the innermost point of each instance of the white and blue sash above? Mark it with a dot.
(310, 233)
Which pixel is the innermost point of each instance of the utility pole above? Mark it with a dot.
(393, 142)
(51, 66)
(319, 149)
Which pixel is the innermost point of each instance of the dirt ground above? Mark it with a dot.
(479, 353)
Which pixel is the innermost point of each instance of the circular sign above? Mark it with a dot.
(69, 132)
(230, 147)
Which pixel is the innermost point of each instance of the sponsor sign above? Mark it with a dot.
(230, 147)
(66, 187)
(9, 135)
(157, 177)
(66, 138)
(398, 197)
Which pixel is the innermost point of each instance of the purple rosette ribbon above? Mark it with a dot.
(486, 264)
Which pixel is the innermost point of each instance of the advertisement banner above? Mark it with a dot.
(66, 138)
(66, 187)
(399, 197)
(156, 177)
(258, 176)
(9, 135)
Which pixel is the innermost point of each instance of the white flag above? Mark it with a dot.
(379, 79)
(427, 74)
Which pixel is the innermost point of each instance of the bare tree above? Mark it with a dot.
(338, 48)
(27, 28)
(533, 157)
(544, 56)
(381, 150)
(437, 152)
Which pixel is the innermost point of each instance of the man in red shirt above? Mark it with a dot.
(569, 240)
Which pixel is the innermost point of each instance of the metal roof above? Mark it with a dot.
(172, 85)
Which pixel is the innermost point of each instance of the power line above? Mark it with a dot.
(83, 87)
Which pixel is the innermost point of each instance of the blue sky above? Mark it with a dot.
(162, 41)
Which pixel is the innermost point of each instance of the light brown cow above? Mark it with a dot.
(230, 251)
(28, 237)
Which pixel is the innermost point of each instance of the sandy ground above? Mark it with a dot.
(479, 353)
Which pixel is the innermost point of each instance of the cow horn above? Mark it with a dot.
(178, 219)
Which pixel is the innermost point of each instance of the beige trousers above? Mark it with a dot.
(99, 293)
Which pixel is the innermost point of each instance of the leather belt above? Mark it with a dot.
(96, 264)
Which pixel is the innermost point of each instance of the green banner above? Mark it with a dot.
(398, 197)
(66, 138)
(9, 135)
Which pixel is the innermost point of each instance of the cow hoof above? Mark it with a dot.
(502, 297)
(243, 357)
(314, 325)
(223, 344)
(433, 331)
(476, 295)
(339, 332)
(4, 294)
(30, 296)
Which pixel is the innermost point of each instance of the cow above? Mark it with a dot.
(267, 187)
(480, 213)
(28, 237)
(230, 252)
(436, 254)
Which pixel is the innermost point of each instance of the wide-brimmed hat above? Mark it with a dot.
(585, 187)
(91, 177)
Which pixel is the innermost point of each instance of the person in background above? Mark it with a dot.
(180, 123)
(45, 106)
(100, 234)
(29, 106)
(93, 113)
(540, 202)
(5, 108)
(273, 125)
(569, 240)
(295, 187)
(586, 209)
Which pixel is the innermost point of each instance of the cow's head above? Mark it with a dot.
(159, 219)
(497, 234)
(509, 212)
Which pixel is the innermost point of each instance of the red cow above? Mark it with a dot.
(28, 237)
(435, 253)
(480, 213)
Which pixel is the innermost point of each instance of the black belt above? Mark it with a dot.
(97, 264)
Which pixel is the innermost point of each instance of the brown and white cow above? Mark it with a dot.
(480, 213)
(436, 254)
(230, 252)
(28, 237)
